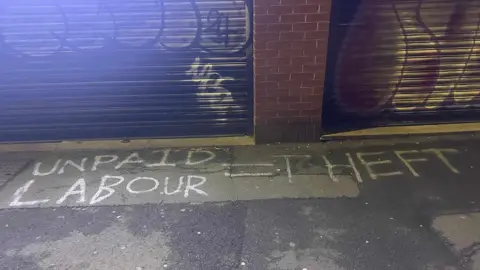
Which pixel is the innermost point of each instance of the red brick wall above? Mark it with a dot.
(290, 45)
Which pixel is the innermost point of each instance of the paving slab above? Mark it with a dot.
(167, 175)
(462, 231)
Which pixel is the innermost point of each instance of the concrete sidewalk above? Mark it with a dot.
(411, 195)
(169, 175)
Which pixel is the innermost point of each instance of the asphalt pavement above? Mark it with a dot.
(404, 203)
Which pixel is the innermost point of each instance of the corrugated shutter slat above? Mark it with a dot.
(114, 69)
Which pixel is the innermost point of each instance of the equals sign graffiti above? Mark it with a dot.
(246, 174)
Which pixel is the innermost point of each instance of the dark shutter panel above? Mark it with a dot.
(124, 68)
(403, 62)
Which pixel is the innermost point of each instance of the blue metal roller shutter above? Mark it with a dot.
(113, 69)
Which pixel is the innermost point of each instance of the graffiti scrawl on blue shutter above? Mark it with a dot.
(156, 67)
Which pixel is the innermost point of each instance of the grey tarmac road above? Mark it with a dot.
(407, 203)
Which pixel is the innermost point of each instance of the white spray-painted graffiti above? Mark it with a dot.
(361, 166)
(379, 159)
(184, 185)
(207, 81)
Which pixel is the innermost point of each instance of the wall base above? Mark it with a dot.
(288, 133)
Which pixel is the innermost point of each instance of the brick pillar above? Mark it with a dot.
(290, 45)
